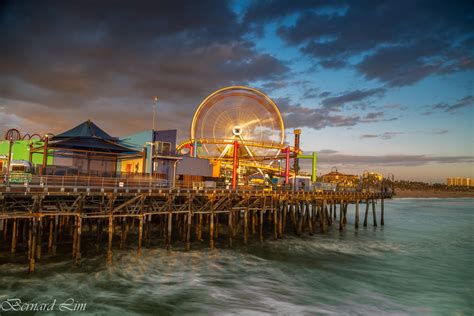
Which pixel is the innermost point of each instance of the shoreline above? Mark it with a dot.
(431, 194)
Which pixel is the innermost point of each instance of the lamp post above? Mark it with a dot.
(10, 145)
(155, 102)
(173, 183)
(151, 158)
(45, 153)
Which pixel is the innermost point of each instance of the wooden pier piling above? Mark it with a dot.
(366, 212)
(110, 233)
(373, 213)
(356, 223)
(381, 212)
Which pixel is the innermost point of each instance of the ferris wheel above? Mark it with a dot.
(241, 114)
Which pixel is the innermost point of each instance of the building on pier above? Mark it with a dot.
(84, 150)
(161, 160)
(20, 150)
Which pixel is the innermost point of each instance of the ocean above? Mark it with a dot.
(420, 263)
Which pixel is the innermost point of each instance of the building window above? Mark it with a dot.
(162, 149)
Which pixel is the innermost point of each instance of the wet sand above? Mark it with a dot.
(432, 194)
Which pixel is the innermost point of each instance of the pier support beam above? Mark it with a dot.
(309, 218)
(14, 235)
(79, 234)
(168, 231)
(246, 228)
(373, 213)
(109, 245)
(341, 216)
(275, 221)
(322, 217)
(4, 229)
(51, 234)
(39, 229)
(140, 235)
(344, 222)
(366, 212)
(382, 222)
(230, 227)
(55, 236)
(32, 245)
(357, 214)
(189, 228)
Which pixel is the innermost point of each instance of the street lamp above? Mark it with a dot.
(151, 158)
(155, 102)
(10, 145)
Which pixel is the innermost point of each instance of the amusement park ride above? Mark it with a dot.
(241, 129)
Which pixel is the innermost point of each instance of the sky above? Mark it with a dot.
(381, 86)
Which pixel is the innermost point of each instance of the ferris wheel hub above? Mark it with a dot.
(237, 130)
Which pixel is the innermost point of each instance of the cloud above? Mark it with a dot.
(395, 107)
(324, 94)
(391, 160)
(406, 64)
(446, 107)
(274, 85)
(297, 115)
(65, 63)
(397, 43)
(440, 131)
(386, 135)
(467, 101)
(311, 93)
(352, 96)
(369, 136)
(327, 151)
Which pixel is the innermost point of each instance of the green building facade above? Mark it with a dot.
(21, 151)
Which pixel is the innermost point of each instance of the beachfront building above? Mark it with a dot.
(462, 182)
(340, 179)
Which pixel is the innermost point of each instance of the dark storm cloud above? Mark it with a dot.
(296, 115)
(395, 42)
(107, 60)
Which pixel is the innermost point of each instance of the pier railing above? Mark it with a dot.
(50, 183)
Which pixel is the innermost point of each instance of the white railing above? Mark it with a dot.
(140, 183)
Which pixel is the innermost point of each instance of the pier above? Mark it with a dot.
(38, 216)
